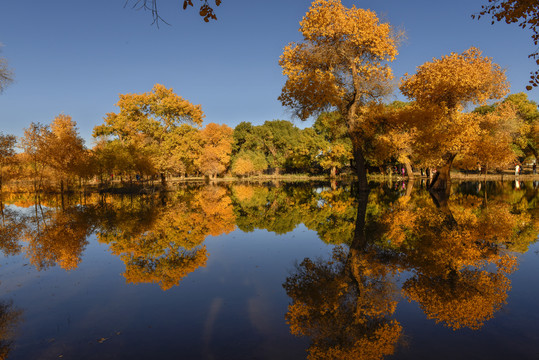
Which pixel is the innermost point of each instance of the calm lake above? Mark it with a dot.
(273, 271)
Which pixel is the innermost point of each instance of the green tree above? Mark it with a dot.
(278, 139)
(528, 141)
(337, 148)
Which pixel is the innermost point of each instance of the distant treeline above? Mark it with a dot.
(159, 134)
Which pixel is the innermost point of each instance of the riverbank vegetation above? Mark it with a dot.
(459, 117)
(145, 144)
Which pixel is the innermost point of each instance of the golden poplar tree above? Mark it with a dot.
(64, 149)
(441, 89)
(147, 120)
(216, 149)
(341, 65)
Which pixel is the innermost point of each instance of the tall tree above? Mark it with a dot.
(64, 149)
(529, 113)
(441, 89)
(337, 149)
(148, 119)
(33, 145)
(341, 65)
(216, 149)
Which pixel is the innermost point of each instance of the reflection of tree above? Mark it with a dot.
(280, 209)
(57, 237)
(465, 298)
(9, 318)
(332, 216)
(344, 304)
(276, 209)
(10, 231)
(169, 246)
(458, 254)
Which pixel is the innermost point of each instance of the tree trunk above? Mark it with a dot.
(333, 173)
(441, 201)
(359, 168)
(442, 179)
(359, 242)
(409, 170)
(163, 179)
(409, 187)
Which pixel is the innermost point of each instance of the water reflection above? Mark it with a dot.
(345, 304)
(10, 317)
(452, 256)
(164, 243)
(459, 254)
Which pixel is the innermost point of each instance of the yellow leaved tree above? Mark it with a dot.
(216, 143)
(147, 120)
(64, 149)
(441, 89)
(340, 65)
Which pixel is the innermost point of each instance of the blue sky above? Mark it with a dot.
(75, 57)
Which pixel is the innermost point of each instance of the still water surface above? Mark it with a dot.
(286, 271)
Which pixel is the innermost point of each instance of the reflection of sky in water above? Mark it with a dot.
(231, 308)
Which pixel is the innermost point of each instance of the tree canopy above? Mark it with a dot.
(440, 90)
(341, 64)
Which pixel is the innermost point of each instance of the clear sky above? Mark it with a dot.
(75, 57)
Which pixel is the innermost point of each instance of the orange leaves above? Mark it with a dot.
(216, 149)
(152, 121)
(151, 113)
(343, 52)
(455, 80)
